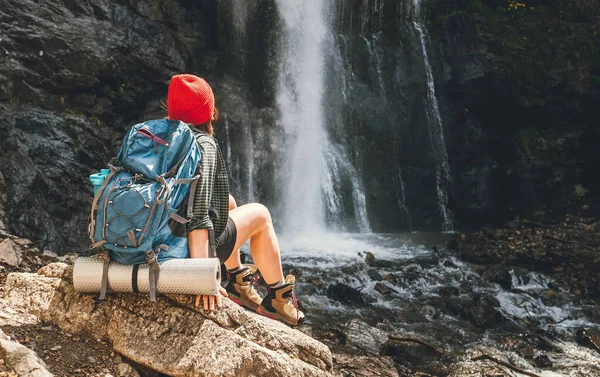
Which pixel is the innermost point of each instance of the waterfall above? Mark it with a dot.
(349, 131)
(443, 176)
(228, 160)
(299, 99)
(315, 169)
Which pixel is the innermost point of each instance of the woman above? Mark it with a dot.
(190, 99)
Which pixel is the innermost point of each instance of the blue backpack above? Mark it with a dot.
(140, 210)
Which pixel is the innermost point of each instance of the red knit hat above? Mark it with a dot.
(190, 99)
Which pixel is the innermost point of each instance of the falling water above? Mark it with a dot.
(443, 177)
(315, 166)
(300, 102)
(250, 160)
(227, 143)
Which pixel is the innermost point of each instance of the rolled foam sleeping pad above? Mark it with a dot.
(198, 276)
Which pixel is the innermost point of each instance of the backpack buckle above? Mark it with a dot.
(151, 256)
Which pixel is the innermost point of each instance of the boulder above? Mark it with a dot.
(10, 253)
(170, 335)
(22, 360)
(368, 366)
(364, 337)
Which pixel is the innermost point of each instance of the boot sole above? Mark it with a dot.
(274, 315)
(241, 303)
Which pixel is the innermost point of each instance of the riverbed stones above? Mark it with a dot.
(172, 336)
(364, 337)
(346, 295)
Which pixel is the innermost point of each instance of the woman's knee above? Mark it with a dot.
(252, 217)
(232, 202)
(263, 214)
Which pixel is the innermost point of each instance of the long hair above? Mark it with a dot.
(204, 127)
(208, 126)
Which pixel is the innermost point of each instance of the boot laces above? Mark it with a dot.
(292, 297)
(254, 282)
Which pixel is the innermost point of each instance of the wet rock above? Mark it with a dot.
(10, 253)
(480, 310)
(450, 264)
(409, 352)
(314, 281)
(364, 337)
(374, 274)
(499, 275)
(542, 361)
(588, 338)
(346, 295)
(367, 366)
(369, 258)
(371, 261)
(448, 291)
(352, 269)
(383, 289)
(391, 278)
(381, 263)
(178, 339)
(520, 276)
(21, 359)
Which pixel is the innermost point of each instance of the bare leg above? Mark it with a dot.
(234, 260)
(253, 221)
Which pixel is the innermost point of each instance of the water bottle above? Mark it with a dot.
(98, 178)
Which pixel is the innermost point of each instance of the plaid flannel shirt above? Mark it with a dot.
(211, 199)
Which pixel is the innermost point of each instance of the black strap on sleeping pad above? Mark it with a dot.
(212, 243)
(134, 278)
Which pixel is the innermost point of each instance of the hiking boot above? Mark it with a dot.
(280, 303)
(243, 287)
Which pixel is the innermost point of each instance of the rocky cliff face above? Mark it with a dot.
(516, 89)
(519, 86)
(73, 76)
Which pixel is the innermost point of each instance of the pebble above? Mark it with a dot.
(55, 348)
(118, 359)
(125, 370)
(46, 328)
(91, 360)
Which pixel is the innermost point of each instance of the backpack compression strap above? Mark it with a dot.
(154, 268)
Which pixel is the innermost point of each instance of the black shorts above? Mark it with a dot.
(227, 241)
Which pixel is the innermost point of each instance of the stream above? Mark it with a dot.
(410, 285)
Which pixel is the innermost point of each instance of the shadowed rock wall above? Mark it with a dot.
(517, 92)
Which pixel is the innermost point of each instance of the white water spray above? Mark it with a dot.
(300, 102)
(314, 166)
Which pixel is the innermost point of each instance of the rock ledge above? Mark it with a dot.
(170, 335)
